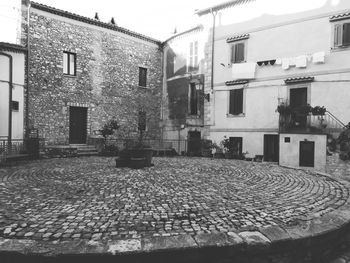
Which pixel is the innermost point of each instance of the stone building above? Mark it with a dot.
(183, 89)
(82, 72)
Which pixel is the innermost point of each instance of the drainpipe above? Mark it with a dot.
(214, 13)
(27, 65)
(9, 137)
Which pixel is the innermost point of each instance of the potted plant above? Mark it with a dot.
(227, 147)
(217, 151)
(318, 110)
(284, 109)
(207, 147)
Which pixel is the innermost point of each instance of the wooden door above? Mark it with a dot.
(298, 98)
(77, 125)
(271, 148)
(307, 154)
(194, 143)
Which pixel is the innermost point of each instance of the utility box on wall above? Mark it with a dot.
(303, 150)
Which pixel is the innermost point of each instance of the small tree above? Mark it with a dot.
(344, 142)
(109, 128)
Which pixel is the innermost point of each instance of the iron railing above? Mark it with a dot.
(327, 123)
(180, 146)
(30, 147)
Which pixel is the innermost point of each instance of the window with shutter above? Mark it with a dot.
(142, 77)
(341, 35)
(236, 102)
(193, 99)
(69, 63)
(238, 53)
(193, 56)
(346, 34)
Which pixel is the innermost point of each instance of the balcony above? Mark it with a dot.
(307, 119)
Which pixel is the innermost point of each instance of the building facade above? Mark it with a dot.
(12, 91)
(184, 97)
(83, 72)
(268, 56)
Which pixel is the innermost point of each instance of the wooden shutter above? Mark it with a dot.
(71, 64)
(65, 63)
(142, 77)
(239, 53)
(231, 102)
(236, 101)
(338, 35)
(346, 34)
(193, 99)
(233, 48)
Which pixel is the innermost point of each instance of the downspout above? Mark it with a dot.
(214, 13)
(27, 65)
(9, 137)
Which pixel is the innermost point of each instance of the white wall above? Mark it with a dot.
(252, 142)
(17, 95)
(289, 152)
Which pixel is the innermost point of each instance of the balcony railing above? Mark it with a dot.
(306, 122)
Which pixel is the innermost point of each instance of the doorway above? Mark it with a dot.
(271, 148)
(298, 99)
(77, 125)
(194, 143)
(307, 154)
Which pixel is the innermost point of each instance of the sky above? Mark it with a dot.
(154, 18)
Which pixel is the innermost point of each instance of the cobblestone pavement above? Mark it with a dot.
(88, 198)
(340, 169)
(337, 167)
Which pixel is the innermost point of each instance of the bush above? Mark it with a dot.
(109, 128)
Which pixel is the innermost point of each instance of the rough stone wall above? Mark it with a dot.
(106, 80)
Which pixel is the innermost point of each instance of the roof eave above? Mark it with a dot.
(87, 20)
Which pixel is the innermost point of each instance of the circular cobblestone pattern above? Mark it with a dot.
(88, 198)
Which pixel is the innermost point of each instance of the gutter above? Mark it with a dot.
(28, 69)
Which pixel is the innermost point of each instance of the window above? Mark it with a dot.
(193, 56)
(69, 63)
(193, 99)
(142, 77)
(236, 102)
(238, 52)
(15, 105)
(342, 34)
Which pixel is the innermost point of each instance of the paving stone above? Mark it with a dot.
(176, 197)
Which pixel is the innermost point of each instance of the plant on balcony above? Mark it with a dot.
(303, 110)
(284, 109)
(344, 142)
(318, 110)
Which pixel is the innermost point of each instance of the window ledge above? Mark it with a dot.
(69, 76)
(193, 116)
(340, 48)
(228, 115)
(142, 87)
